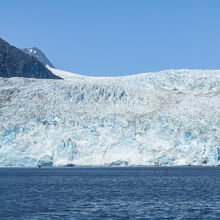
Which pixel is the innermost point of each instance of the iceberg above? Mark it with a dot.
(169, 118)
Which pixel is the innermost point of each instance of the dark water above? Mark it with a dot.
(110, 193)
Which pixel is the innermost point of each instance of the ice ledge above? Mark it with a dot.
(169, 118)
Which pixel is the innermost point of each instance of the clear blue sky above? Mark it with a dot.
(116, 37)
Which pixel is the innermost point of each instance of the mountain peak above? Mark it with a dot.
(36, 52)
(16, 63)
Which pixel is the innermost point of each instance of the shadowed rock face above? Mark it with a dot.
(16, 63)
(34, 51)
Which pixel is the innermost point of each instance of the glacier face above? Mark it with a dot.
(165, 118)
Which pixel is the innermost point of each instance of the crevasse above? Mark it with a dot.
(165, 118)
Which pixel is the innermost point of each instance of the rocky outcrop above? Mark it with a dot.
(36, 52)
(16, 63)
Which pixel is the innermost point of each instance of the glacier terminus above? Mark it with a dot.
(169, 118)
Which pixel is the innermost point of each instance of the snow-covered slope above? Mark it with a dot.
(36, 52)
(165, 118)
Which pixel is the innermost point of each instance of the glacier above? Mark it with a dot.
(169, 118)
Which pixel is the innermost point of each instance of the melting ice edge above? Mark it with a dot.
(165, 118)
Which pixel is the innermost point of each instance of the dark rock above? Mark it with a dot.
(16, 63)
(70, 165)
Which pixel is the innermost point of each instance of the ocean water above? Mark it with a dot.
(110, 193)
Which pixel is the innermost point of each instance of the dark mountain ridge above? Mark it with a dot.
(16, 63)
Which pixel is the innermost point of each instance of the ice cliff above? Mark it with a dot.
(165, 118)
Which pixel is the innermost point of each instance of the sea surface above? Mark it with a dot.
(110, 193)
